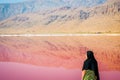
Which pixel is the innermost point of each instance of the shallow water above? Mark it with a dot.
(18, 71)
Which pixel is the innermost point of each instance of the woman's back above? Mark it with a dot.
(91, 64)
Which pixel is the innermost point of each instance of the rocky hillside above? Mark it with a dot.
(101, 16)
(8, 10)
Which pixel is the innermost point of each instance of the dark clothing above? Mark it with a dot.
(91, 64)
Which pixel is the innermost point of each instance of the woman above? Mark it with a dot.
(90, 67)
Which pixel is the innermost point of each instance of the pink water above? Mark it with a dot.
(17, 71)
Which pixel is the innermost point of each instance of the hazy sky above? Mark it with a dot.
(11, 1)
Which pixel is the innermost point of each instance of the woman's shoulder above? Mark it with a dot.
(90, 61)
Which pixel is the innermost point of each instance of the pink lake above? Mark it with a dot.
(18, 71)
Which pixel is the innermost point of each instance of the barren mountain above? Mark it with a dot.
(61, 16)
(9, 9)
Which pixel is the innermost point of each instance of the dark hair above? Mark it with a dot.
(90, 55)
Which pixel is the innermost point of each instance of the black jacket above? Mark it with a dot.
(91, 64)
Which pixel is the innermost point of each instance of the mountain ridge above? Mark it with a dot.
(102, 18)
(8, 10)
(63, 14)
